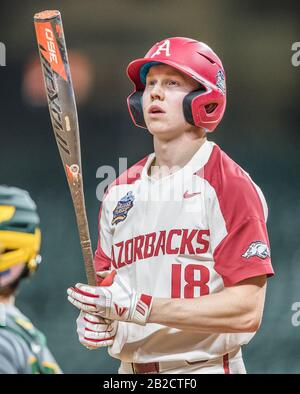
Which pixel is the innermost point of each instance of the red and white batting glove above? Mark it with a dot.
(115, 301)
(94, 332)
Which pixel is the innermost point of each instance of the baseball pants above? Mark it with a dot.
(231, 363)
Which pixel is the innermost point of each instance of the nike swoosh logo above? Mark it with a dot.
(190, 195)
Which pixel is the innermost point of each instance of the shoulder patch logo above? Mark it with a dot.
(257, 248)
(122, 208)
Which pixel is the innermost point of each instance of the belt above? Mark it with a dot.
(155, 367)
(145, 367)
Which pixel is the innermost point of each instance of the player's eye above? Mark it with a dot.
(172, 82)
(150, 82)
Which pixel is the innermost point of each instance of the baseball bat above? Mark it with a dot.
(63, 114)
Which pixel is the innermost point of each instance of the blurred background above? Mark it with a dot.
(260, 131)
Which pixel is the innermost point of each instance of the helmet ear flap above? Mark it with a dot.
(200, 112)
(135, 107)
(187, 106)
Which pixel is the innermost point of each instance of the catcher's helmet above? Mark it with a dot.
(205, 106)
(20, 236)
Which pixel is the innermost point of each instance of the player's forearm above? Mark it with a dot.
(219, 313)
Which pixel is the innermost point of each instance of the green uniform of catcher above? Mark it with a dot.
(23, 348)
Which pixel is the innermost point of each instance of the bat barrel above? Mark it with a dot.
(63, 113)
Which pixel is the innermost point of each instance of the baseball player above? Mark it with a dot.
(23, 349)
(182, 233)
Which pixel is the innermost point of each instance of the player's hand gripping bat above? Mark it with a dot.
(63, 113)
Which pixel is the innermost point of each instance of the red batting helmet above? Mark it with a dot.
(205, 106)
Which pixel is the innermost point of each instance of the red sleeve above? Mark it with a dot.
(244, 253)
(243, 249)
(102, 261)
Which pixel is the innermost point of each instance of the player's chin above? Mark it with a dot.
(157, 127)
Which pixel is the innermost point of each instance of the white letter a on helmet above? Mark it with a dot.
(164, 47)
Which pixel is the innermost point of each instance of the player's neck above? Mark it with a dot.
(8, 300)
(174, 154)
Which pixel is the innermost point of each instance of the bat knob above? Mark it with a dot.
(74, 168)
(72, 172)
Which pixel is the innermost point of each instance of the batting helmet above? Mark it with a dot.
(202, 108)
(20, 236)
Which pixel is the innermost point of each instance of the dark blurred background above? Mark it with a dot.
(260, 131)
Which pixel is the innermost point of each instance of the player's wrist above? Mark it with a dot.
(141, 309)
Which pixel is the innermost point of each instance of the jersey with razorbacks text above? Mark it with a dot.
(186, 235)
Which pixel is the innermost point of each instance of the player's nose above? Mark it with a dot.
(157, 92)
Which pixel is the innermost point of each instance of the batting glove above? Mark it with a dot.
(115, 301)
(94, 332)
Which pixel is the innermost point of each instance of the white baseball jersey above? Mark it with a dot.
(186, 235)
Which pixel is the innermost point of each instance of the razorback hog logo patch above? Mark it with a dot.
(258, 249)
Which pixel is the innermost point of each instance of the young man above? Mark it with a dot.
(23, 348)
(183, 231)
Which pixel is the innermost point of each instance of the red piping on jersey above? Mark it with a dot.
(243, 213)
(131, 175)
(101, 261)
(229, 180)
